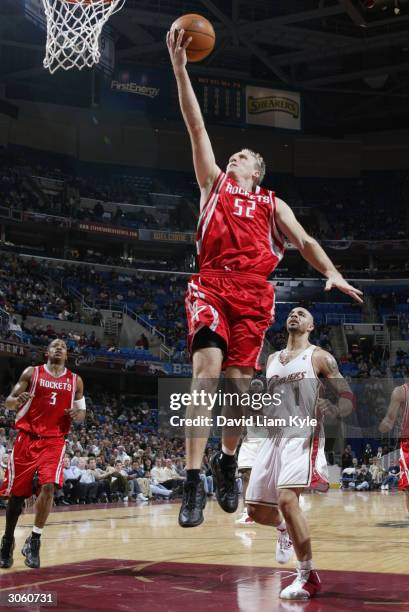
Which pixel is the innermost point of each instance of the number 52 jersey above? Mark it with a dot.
(45, 413)
(237, 230)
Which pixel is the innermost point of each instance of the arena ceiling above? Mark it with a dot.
(350, 58)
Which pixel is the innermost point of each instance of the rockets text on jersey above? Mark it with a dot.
(237, 230)
(45, 413)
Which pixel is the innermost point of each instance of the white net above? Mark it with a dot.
(73, 31)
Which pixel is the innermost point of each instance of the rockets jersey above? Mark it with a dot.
(44, 414)
(298, 388)
(237, 230)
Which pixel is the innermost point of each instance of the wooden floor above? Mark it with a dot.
(351, 531)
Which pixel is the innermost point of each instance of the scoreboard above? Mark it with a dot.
(220, 100)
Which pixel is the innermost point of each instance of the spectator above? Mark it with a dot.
(346, 459)
(377, 473)
(88, 486)
(392, 479)
(102, 479)
(363, 479)
(72, 476)
(165, 476)
(368, 453)
(135, 478)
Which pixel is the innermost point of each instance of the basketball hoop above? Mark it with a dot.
(73, 31)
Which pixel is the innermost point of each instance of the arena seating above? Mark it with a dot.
(341, 204)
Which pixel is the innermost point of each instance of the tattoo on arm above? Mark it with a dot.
(332, 365)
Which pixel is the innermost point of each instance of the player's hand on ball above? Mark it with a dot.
(327, 408)
(177, 48)
(23, 398)
(338, 281)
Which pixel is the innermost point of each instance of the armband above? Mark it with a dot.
(80, 404)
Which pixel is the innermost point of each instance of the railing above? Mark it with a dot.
(142, 321)
(390, 459)
(165, 353)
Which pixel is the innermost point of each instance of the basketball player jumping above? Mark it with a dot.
(230, 305)
(47, 398)
(399, 406)
(292, 458)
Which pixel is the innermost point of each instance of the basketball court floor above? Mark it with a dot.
(136, 557)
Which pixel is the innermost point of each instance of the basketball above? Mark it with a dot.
(202, 33)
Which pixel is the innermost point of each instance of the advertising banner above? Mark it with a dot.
(108, 230)
(164, 236)
(135, 88)
(273, 108)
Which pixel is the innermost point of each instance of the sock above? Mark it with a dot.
(14, 508)
(227, 460)
(36, 533)
(282, 526)
(305, 565)
(227, 451)
(192, 475)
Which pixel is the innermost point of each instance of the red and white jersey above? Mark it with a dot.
(44, 414)
(237, 230)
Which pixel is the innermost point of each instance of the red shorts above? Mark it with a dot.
(239, 307)
(31, 455)
(404, 464)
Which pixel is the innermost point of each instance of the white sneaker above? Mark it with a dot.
(284, 547)
(306, 584)
(141, 497)
(125, 498)
(244, 519)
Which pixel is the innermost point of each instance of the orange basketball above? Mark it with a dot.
(202, 33)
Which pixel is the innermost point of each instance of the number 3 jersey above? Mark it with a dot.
(45, 413)
(237, 230)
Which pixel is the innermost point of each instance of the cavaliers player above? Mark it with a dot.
(240, 240)
(47, 398)
(399, 406)
(292, 458)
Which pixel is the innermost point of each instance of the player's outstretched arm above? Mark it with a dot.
(325, 365)
(78, 411)
(203, 157)
(312, 252)
(19, 394)
(397, 399)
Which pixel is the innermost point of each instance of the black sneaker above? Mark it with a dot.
(227, 492)
(193, 502)
(31, 551)
(6, 553)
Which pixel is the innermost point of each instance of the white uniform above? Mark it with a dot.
(292, 456)
(248, 452)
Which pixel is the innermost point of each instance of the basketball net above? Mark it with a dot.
(73, 31)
